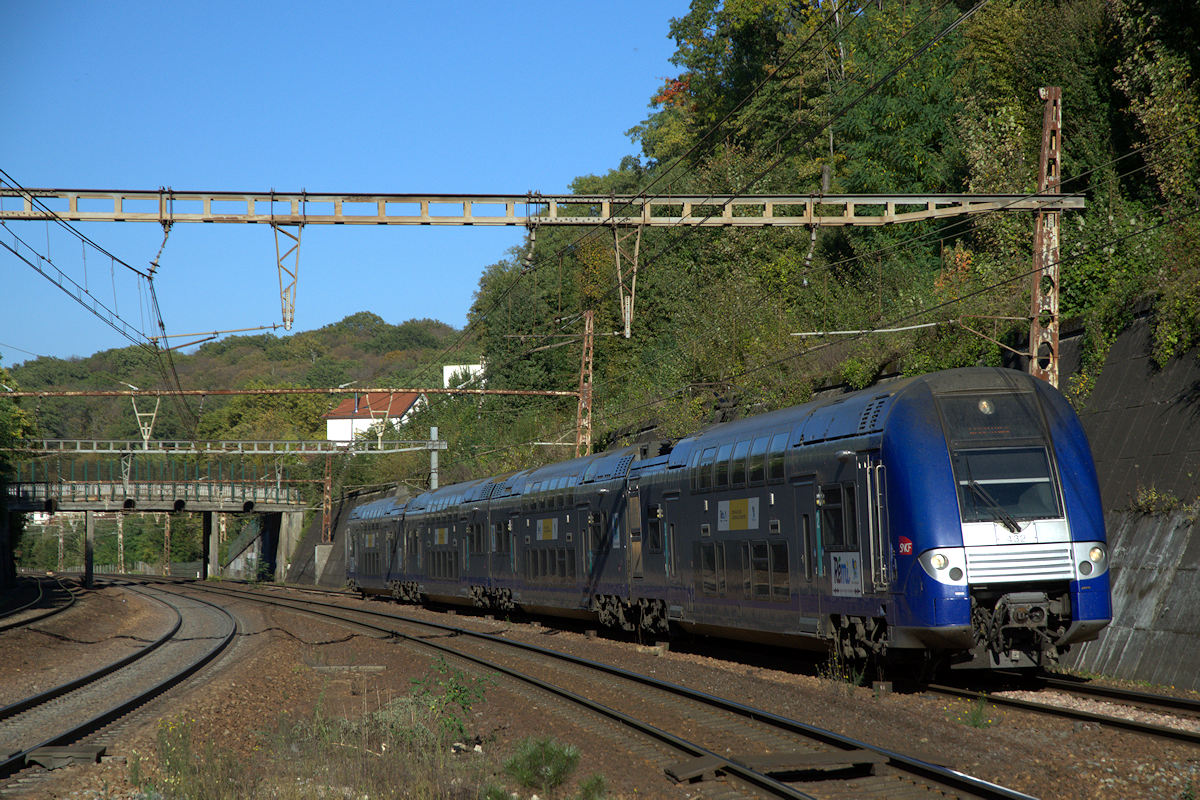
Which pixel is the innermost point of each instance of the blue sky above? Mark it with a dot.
(464, 97)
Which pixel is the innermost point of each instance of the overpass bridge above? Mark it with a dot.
(67, 475)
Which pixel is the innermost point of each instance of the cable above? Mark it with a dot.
(841, 112)
(644, 192)
(892, 323)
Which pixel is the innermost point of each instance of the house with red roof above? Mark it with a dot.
(366, 410)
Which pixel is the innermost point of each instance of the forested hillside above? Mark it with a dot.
(886, 97)
(770, 96)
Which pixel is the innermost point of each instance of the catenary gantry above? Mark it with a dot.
(168, 206)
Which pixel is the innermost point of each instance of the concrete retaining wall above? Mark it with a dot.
(1155, 634)
(1144, 427)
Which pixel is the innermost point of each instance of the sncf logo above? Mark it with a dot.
(905, 546)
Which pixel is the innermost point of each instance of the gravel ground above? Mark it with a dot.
(105, 625)
(274, 675)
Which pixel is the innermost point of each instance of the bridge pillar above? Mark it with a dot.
(209, 546)
(291, 529)
(8, 569)
(89, 542)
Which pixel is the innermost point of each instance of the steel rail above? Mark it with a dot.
(41, 592)
(1159, 731)
(913, 766)
(13, 709)
(39, 617)
(15, 762)
(1130, 696)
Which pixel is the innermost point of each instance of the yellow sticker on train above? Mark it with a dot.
(738, 515)
(547, 529)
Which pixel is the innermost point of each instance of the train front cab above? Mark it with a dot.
(996, 521)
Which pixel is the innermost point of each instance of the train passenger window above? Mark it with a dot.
(775, 457)
(747, 582)
(670, 548)
(738, 472)
(806, 541)
(758, 461)
(832, 524)
(780, 586)
(839, 517)
(712, 568)
(706, 461)
(596, 536)
(851, 506)
(693, 470)
(721, 470)
(654, 540)
(760, 570)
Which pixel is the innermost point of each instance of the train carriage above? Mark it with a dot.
(955, 515)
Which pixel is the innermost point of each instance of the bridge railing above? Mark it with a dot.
(277, 493)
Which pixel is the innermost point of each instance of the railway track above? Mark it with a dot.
(73, 713)
(722, 748)
(31, 612)
(1179, 706)
(1159, 704)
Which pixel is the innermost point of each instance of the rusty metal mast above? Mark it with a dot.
(1043, 327)
(583, 417)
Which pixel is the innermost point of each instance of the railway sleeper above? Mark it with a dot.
(810, 765)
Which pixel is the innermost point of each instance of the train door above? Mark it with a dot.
(668, 517)
(873, 519)
(633, 524)
(808, 532)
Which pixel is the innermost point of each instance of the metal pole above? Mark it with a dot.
(327, 502)
(89, 542)
(583, 416)
(121, 543)
(167, 546)
(1043, 327)
(433, 459)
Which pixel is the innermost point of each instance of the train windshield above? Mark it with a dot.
(1005, 485)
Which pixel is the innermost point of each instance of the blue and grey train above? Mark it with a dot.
(954, 517)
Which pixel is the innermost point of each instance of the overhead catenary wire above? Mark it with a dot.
(644, 192)
(832, 119)
(603, 416)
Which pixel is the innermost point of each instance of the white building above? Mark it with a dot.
(356, 416)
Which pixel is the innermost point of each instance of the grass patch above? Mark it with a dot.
(976, 715)
(419, 745)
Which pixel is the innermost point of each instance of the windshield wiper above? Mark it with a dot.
(997, 511)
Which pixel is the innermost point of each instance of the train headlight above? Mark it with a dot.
(945, 565)
(1091, 559)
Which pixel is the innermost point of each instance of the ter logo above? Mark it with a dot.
(905, 546)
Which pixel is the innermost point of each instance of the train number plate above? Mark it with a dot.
(1027, 536)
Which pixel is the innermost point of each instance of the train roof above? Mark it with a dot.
(850, 414)
(376, 509)
(832, 417)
